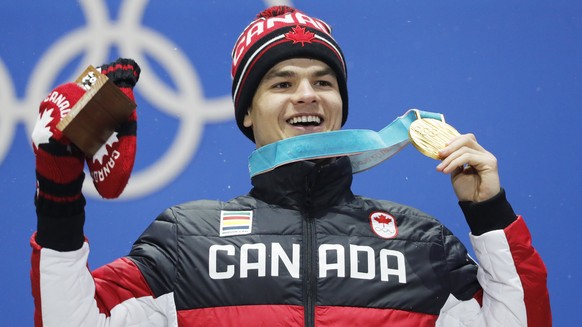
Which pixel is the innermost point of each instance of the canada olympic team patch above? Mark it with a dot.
(383, 224)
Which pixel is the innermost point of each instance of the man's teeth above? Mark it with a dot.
(304, 120)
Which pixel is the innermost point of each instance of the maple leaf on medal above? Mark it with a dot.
(299, 35)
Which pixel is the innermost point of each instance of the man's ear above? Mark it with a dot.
(248, 121)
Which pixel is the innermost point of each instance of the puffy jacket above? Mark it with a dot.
(301, 249)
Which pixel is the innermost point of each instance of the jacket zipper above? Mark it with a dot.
(310, 277)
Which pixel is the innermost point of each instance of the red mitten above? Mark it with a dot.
(111, 166)
(59, 163)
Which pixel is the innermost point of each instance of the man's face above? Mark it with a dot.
(296, 96)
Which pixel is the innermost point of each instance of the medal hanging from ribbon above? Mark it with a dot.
(366, 148)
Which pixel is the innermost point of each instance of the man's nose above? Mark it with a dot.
(305, 93)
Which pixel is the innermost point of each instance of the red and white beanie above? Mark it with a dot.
(280, 33)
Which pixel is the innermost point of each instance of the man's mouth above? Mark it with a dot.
(305, 121)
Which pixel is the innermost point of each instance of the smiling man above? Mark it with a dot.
(296, 96)
(300, 249)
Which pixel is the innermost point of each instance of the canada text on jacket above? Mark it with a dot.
(332, 258)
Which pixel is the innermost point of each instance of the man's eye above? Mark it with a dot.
(282, 85)
(323, 83)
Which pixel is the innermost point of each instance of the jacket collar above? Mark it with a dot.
(306, 184)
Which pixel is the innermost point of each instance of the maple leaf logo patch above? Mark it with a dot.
(42, 132)
(383, 224)
(300, 35)
(102, 152)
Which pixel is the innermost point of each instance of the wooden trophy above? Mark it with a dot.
(97, 114)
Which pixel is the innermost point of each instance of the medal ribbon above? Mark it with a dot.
(366, 148)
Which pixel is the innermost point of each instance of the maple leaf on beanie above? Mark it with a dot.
(112, 164)
(59, 163)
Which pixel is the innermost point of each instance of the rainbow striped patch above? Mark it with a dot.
(235, 222)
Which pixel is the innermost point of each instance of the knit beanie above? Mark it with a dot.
(280, 33)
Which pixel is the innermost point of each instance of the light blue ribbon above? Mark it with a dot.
(366, 148)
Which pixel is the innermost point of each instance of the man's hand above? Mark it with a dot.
(111, 166)
(59, 163)
(473, 169)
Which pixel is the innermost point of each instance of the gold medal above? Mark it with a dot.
(429, 136)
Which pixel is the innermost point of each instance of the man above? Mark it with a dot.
(300, 248)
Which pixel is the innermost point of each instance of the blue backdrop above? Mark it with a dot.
(508, 71)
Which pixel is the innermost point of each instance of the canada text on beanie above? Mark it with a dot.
(280, 33)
